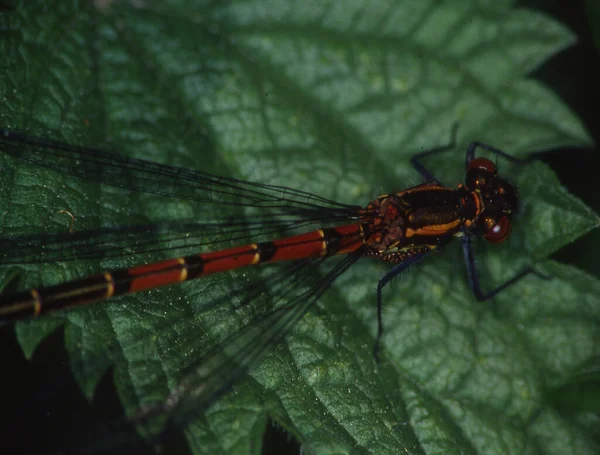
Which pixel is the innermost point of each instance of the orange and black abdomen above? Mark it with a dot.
(323, 242)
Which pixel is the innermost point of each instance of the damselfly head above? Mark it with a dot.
(500, 202)
(495, 227)
(480, 172)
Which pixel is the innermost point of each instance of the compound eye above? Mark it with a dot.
(480, 171)
(497, 232)
(482, 164)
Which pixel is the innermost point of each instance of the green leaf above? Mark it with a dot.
(330, 97)
(582, 392)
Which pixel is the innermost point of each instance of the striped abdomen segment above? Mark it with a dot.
(323, 242)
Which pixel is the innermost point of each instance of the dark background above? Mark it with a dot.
(574, 74)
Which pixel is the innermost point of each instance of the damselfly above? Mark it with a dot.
(400, 228)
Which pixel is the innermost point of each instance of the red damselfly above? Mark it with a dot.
(400, 228)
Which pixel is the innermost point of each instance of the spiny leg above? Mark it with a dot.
(488, 148)
(420, 167)
(396, 270)
(474, 277)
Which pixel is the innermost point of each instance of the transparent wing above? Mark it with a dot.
(266, 311)
(154, 178)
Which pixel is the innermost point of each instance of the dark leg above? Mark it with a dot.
(420, 168)
(474, 278)
(396, 270)
(475, 145)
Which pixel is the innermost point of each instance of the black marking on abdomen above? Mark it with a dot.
(266, 251)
